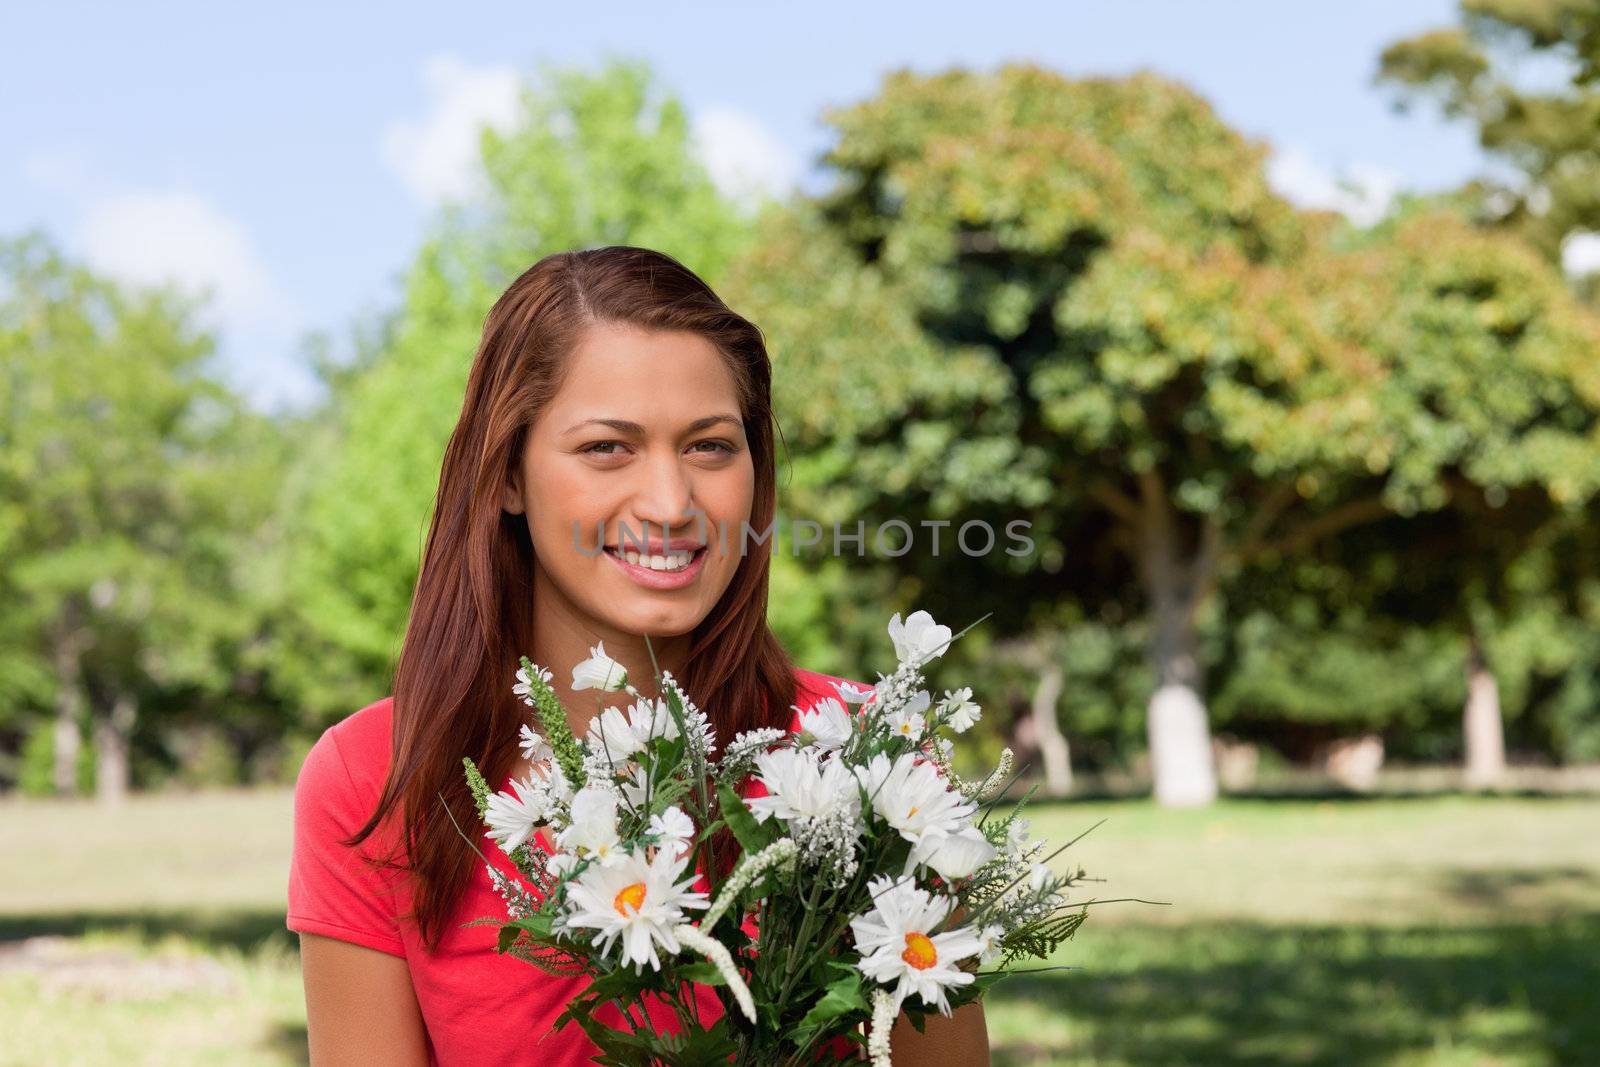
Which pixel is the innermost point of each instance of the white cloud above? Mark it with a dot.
(436, 154)
(1363, 193)
(180, 238)
(744, 158)
(150, 238)
(1580, 252)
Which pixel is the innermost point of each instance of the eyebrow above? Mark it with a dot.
(624, 426)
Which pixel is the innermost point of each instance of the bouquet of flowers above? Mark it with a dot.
(870, 879)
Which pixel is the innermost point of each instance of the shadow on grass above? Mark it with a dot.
(1311, 791)
(1334, 791)
(245, 929)
(1212, 993)
(1227, 993)
(1503, 888)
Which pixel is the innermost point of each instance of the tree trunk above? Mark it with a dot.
(69, 712)
(1482, 724)
(112, 737)
(1047, 732)
(68, 743)
(1181, 761)
(1180, 740)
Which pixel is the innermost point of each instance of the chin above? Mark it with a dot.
(660, 623)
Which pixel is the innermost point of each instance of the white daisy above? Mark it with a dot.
(612, 737)
(593, 830)
(908, 720)
(826, 723)
(910, 796)
(674, 830)
(512, 818)
(854, 694)
(533, 746)
(558, 790)
(618, 734)
(599, 671)
(802, 783)
(636, 900)
(906, 723)
(919, 638)
(954, 855)
(958, 710)
(898, 947)
(650, 719)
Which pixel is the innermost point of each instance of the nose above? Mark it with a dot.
(663, 502)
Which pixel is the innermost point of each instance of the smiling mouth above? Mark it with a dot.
(666, 562)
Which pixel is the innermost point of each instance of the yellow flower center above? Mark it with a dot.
(631, 895)
(920, 952)
(912, 812)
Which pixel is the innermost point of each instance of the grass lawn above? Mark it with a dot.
(1448, 931)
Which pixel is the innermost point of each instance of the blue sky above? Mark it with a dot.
(289, 155)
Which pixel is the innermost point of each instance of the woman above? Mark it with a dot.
(613, 397)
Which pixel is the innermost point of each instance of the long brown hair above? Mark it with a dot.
(470, 617)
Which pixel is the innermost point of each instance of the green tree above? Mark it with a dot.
(133, 489)
(1526, 73)
(1080, 302)
(595, 159)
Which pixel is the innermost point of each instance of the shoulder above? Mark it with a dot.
(347, 765)
(333, 889)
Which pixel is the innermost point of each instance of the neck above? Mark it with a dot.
(563, 636)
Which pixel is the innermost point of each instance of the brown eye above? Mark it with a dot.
(594, 449)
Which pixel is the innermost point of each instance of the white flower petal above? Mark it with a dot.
(919, 638)
(826, 724)
(599, 671)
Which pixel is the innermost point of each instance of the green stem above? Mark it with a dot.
(791, 971)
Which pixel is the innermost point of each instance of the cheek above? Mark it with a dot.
(564, 511)
(728, 495)
(728, 504)
(736, 491)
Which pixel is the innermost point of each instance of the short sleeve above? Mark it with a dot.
(333, 890)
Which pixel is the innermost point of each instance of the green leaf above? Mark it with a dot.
(753, 836)
(537, 925)
(703, 972)
(713, 1045)
(842, 997)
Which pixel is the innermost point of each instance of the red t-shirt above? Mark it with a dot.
(480, 1007)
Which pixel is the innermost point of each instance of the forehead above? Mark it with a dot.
(643, 375)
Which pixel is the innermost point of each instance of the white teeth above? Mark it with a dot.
(672, 561)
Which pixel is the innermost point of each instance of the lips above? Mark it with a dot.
(659, 577)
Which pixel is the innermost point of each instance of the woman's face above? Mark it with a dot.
(644, 430)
